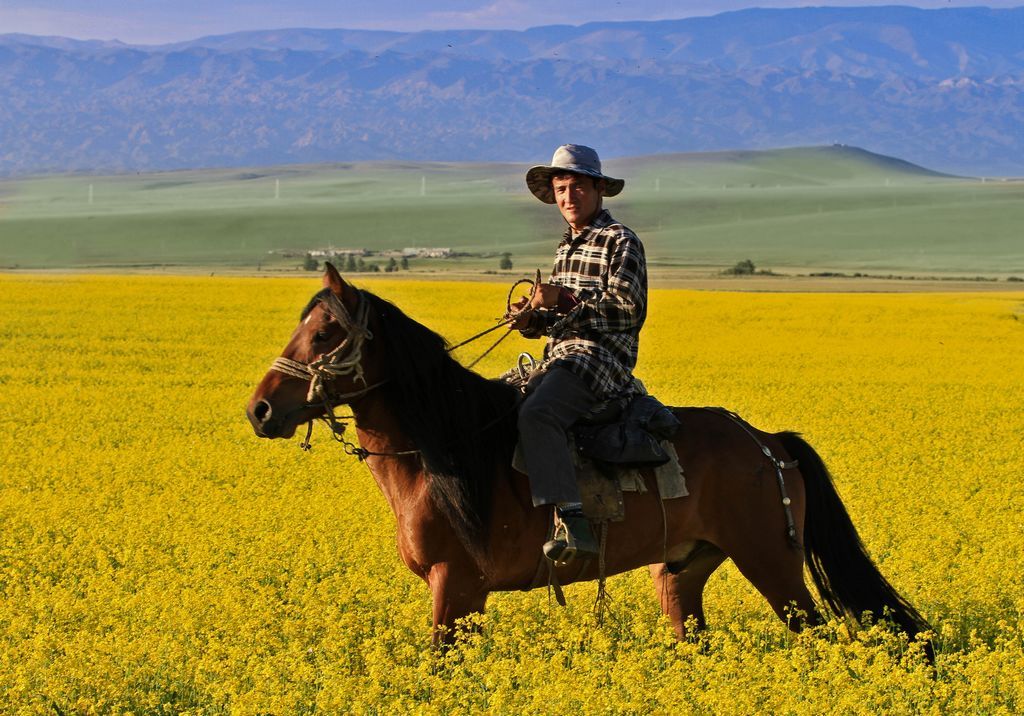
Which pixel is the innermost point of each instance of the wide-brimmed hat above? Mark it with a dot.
(572, 158)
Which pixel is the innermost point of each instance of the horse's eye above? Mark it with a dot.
(320, 337)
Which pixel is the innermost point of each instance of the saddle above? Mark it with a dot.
(620, 431)
(629, 435)
(613, 445)
(611, 451)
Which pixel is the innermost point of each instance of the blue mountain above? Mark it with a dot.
(941, 88)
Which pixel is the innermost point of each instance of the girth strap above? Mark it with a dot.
(779, 466)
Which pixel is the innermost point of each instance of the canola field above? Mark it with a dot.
(156, 557)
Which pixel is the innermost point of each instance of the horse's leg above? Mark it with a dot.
(455, 594)
(777, 572)
(682, 593)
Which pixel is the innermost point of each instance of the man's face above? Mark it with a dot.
(578, 198)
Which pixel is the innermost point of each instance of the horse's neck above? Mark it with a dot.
(403, 481)
(379, 432)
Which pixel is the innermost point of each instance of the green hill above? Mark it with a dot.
(800, 166)
(835, 208)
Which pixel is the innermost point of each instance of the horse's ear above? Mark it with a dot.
(338, 286)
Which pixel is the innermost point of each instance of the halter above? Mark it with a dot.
(344, 360)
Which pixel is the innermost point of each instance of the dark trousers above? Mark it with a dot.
(554, 402)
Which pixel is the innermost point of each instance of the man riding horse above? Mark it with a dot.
(591, 310)
(463, 519)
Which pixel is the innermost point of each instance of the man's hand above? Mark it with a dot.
(522, 321)
(546, 295)
(549, 295)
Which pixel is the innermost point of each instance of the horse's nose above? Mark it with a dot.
(259, 415)
(261, 411)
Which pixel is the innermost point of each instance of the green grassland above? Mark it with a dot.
(822, 208)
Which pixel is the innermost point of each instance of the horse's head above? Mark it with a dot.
(320, 367)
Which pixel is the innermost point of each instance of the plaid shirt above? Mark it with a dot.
(605, 269)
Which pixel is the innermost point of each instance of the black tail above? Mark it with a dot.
(844, 574)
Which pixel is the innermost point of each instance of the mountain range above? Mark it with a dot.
(942, 88)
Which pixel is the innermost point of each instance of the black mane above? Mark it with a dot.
(463, 424)
(320, 295)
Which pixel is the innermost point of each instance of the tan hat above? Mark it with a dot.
(572, 158)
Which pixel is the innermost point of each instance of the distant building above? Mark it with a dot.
(335, 253)
(332, 253)
(437, 253)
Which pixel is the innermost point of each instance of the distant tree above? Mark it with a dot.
(392, 265)
(506, 262)
(742, 268)
(360, 264)
(405, 263)
(310, 263)
(374, 268)
(350, 264)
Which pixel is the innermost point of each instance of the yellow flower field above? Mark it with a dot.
(156, 557)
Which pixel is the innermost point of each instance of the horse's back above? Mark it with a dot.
(713, 426)
(730, 477)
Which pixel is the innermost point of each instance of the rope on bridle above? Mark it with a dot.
(338, 434)
(344, 360)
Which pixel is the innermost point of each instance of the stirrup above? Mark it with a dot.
(569, 544)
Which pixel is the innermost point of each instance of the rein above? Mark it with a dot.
(511, 316)
(338, 434)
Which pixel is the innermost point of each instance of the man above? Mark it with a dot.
(591, 310)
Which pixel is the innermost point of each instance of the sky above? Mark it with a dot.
(159, 21)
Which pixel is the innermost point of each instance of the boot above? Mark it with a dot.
(573, 539)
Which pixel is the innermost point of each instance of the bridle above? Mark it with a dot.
(346, 359)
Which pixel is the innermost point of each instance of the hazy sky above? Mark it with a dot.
(156, 21)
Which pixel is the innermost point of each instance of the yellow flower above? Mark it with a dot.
(157, 558)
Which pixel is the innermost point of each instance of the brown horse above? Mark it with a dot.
(438, 439)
